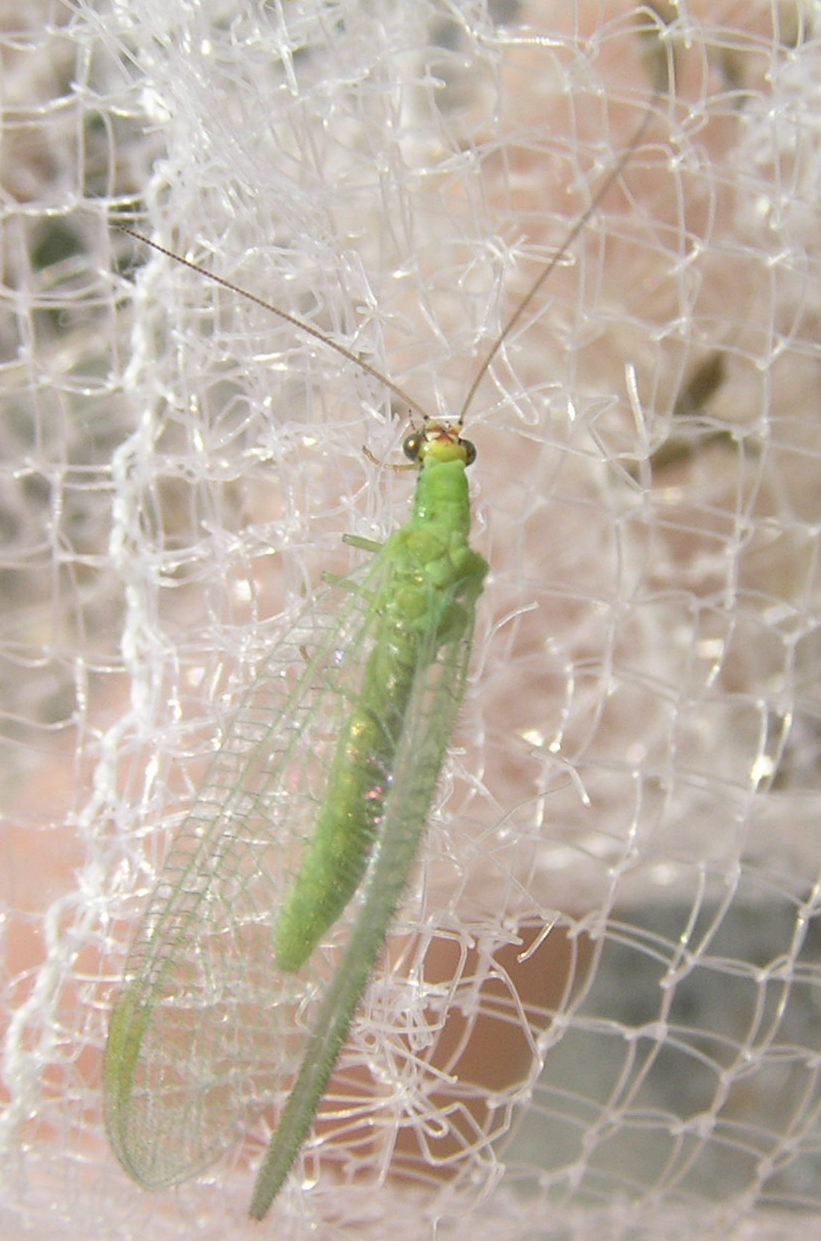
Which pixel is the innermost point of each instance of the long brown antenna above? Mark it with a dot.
(302, 324)
(366, 367)
(533, 291)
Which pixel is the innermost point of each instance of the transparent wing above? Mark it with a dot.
(208, 1032)
(204, 1032)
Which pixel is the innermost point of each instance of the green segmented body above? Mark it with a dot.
(428, 595)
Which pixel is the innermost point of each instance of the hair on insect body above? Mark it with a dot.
(343, 769)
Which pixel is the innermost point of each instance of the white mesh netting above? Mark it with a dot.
(602, 1016)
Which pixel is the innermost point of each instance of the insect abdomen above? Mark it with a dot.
(422, 605)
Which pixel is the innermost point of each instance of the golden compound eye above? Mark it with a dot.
(412, 445)
(470, 451)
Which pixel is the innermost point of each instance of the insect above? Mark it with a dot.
(278, 892)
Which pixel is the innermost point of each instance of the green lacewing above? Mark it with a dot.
(278, 892)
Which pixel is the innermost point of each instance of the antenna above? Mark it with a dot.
(366, 367)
